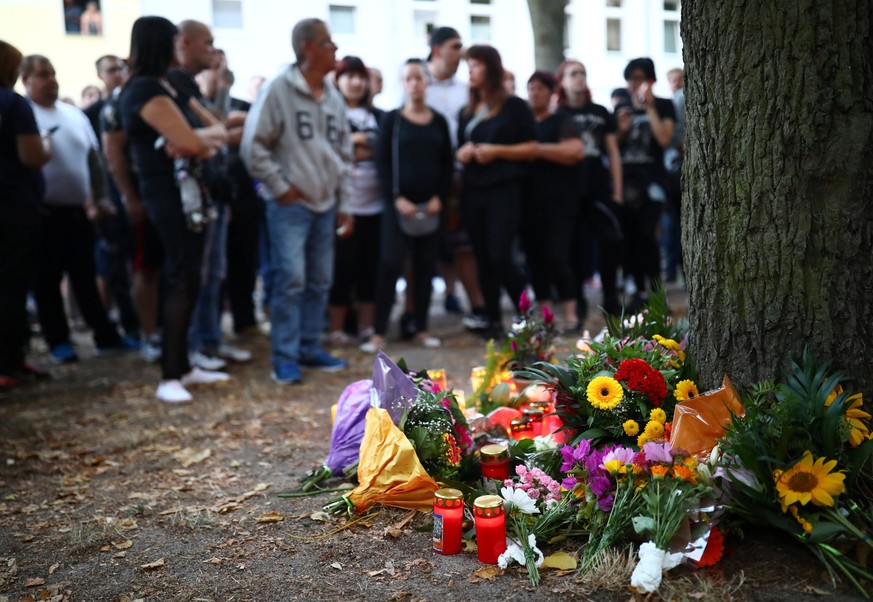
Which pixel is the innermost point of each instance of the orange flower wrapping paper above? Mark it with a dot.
(699, 423)
(389, 472)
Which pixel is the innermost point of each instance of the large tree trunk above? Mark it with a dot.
(778, 185)
(548, 20)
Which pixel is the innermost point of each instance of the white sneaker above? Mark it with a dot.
(429, 342)
(172, 391)
(204, 377)
(234, 354)
(206, 362)
(369, 347)
(338, 338)
(150, 352)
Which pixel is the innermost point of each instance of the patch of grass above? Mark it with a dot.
(87, 535)
(193, 519)
(712, 587)
(610, 571)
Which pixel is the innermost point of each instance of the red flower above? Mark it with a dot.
(714, 549)
(523, 302)
(548, 316)
(641, 377)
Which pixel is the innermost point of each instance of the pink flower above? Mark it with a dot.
(523, 302)
(533, 494)
(521, 470)
(548, 316)
(508, 483)
(514, 346)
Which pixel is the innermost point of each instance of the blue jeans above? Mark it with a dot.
(301, 244)
(204, 334)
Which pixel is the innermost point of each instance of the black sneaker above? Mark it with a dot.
(407, 326)
(452, 305)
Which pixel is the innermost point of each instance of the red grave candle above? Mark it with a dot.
(448, 514)
(490, 520)
(535, 417)
(495, 461)
(521, 428)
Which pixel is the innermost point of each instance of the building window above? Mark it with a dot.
(342, 19)
(613, 34)
(425, 22)
(480, 28)
(671, 5)
(671, 37)
(613, 3)
(227, 14)
(480, 1)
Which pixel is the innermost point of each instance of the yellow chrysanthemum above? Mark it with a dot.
(690, 462)
(856, 418)
(642, 440)
(659, 471)
(654, 430)
(658, 415)
(631, 427)
(685, 390)
(615, 467)
(809, 480)
(807, 526)
(604, 392)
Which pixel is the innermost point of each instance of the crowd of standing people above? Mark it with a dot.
(167, 199)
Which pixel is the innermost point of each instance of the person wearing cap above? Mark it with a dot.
(356, 257)
(645, 129)
(448, 96)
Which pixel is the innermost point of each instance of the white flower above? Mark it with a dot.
(544, 443)
(647, 575)
(515, 552)
(518, 499)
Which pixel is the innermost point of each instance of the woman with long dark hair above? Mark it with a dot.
(497, 138)
(156, 118)
(550, 206)
(356, 257)
(600, 187)
(416, 167)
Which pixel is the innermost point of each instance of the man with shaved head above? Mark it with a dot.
(196, 53)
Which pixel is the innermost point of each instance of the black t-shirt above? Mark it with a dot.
(513, 124)
(424, 158)
(641, 155)
(110, 123)
(594, 122)
(186, 86)
(92, 112)
(153, 166)
(549, 183)
(16, 119)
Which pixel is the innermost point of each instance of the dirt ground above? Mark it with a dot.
(106, 494)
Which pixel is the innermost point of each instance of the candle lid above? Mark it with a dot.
(494, 452)
(447, 493)
(520, 424)
(488, 501)
(541, 405)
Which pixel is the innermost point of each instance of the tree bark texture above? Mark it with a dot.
(778, 185)
(548, 18)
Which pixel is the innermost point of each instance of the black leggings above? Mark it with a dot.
(183, 257)
(491, 217)
(19, 233)
(396, 247)
(546, 239)
(355, 262)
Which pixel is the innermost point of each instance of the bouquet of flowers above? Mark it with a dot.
(800, 461)
(530, 338)
(535, 509)
(438, 430)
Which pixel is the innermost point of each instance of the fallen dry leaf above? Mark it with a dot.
(34, 582)
(190, 456)
(120, 555)
(123, 545)
(392, 531)
(270, 517)
(54, 567)
(470, 545)
(153, 565)
(336, 565)
(261, 487)
(486, 573)
(559, 560)
(214, 560)
(321, 516)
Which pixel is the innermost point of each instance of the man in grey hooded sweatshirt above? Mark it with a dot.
(296, 141)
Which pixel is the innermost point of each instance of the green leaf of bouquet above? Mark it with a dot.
(593, 433)
(644, 524)
(825, 531)
(857, 460)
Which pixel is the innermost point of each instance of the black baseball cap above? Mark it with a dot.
(443, 34)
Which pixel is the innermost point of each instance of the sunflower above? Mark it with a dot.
(855, 417)
(809, 480)
(658, 415)
(631, 428)
(654, 430)
(807, 526)
(604, 392)
(685, 390)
